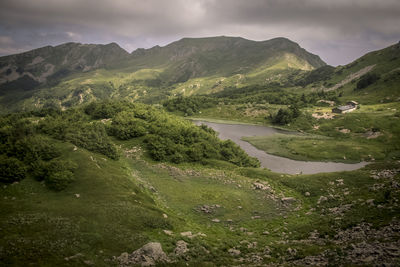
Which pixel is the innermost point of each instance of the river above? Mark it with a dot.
(278, 164)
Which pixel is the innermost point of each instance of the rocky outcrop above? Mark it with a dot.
(148, 255)
(181, 248)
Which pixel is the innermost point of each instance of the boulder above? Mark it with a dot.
(181, 248)
(148, 255)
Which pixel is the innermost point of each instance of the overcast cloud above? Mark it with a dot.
(339, 31)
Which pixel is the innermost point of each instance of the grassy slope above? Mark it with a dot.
(142, 83)
(121, 205)
(316, 148)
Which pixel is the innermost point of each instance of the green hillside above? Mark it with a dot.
(101, 166)
(71, 74)
(81, 187)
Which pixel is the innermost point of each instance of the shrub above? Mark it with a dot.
(93, 137)
(59, 180)
(59, 174)
(11, 169)
(103, 110)
(125, 126)
(30, 149)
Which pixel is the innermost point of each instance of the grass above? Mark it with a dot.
(317, 148)
(121, 205)
(44, 227)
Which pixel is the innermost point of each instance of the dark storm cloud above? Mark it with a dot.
(339, 31)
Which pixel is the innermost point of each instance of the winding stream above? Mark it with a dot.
(275, 163)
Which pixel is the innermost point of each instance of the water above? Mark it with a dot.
(278, 164)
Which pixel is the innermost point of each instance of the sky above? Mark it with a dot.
(339, 31)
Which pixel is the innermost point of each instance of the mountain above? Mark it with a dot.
(225, 56)
(372, 78)
(47, 63)
(73, 73)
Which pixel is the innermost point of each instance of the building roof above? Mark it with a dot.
(347, 107)
(352, 102)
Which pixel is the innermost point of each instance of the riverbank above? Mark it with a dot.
(236, 132)
(317, 148)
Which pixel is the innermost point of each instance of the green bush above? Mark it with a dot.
(11, 169)
(125, 126)
(103, 110)
(93, 137)
(30, 149)
(59, 174)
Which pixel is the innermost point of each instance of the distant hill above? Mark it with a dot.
(76, 73)
(372, 78)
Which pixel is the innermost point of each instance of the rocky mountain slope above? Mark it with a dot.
(47, 63)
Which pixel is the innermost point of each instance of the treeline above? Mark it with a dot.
(249, 94)
(189, 105)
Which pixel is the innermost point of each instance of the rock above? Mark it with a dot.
(153, 189)
(208, 209)
(234, 252)
(165, 216)
(260, 186)
(287, 200)
(265, 233)
(252, 245)
(216, 220)
(255, 217)
(370, 202)
(181, 248)
(168, 232)
(75, 148)
(322, 199)
(292, 251)
(190, 235)
(339, 182)
(307, 194)
(267, 250)
(78, 195)
(148, 255)
(78, 255)
(187, 234)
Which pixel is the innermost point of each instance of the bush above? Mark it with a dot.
(59, 180)
(285, 116)
(103, 110)
(93, 137)
(11, 169)
(125, 126)
(59, 174)
(30, 149)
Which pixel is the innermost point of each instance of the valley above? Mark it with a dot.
(117, 159)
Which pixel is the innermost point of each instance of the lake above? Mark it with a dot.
(235, 132)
